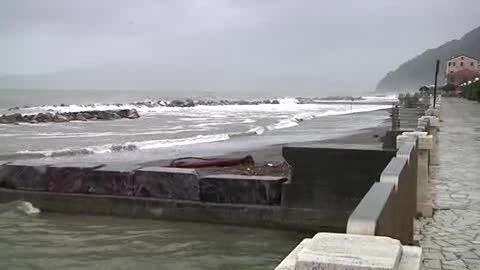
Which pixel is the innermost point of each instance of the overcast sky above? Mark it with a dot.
(286, 41)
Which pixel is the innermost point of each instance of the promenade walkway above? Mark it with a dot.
(451, 239)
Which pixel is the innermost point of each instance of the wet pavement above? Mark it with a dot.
(451, 239)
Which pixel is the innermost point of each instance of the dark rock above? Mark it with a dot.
(107, 115)
(275, 101)
(60, 118)
(5, 119)
(123, 113)
(176, 103)
(171, 183)
(189, 103)
(17, 117)
(44, 117)
(28, 118)
(132, 114)
(80, 117)
(87, 115)
(230, 188)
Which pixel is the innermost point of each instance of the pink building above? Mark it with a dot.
(462, 62)
(461, 69)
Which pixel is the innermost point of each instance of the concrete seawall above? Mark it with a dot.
(161, 193)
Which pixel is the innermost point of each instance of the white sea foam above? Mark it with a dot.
(303, 116)
(392, 98)
(256, 130)
(209, 124)
(284, 123)
(288, 101)
(153, 144)
(128, 146)
(27, 208)
(23, 207)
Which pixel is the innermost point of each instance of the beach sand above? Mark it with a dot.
(269, 160)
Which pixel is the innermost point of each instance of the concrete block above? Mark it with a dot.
(164, 182)
(405, 150)
(338, 176)
(434, 122)
(24, 175)
(411, 258)
(404, 139)
(69, 178)
(345, 252)
(401, 172)
(289, 262)
(227, 188)
(390, 140)
(415, 133)
(376, 213)
(424, 145)
(425, 142)
(111, 180)
(330, 251)
(433, 112)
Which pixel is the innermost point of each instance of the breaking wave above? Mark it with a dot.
(287, 114)
(22, 207)
(128, 146)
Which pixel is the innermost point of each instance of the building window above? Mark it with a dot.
(471, 64)
(461, 57)
(449, 63)
(461, 64)
(453, 63)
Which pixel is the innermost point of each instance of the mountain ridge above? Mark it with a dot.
(419, 70)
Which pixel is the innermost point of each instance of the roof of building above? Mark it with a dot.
(464, 55)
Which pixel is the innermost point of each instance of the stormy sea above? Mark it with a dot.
(169, 127)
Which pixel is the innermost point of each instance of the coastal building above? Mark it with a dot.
(460, 69)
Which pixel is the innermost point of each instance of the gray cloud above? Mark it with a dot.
(254, 44)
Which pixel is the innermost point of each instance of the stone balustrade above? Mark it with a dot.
(351, 252)
(387, 209)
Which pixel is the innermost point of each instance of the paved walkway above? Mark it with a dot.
(451, 239)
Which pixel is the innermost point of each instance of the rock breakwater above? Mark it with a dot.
(45, 117)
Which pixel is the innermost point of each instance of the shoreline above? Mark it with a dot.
(272, 154)
(269, 161)
(323, 128)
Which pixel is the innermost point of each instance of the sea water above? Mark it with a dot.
(160, 129)
(32, 240)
